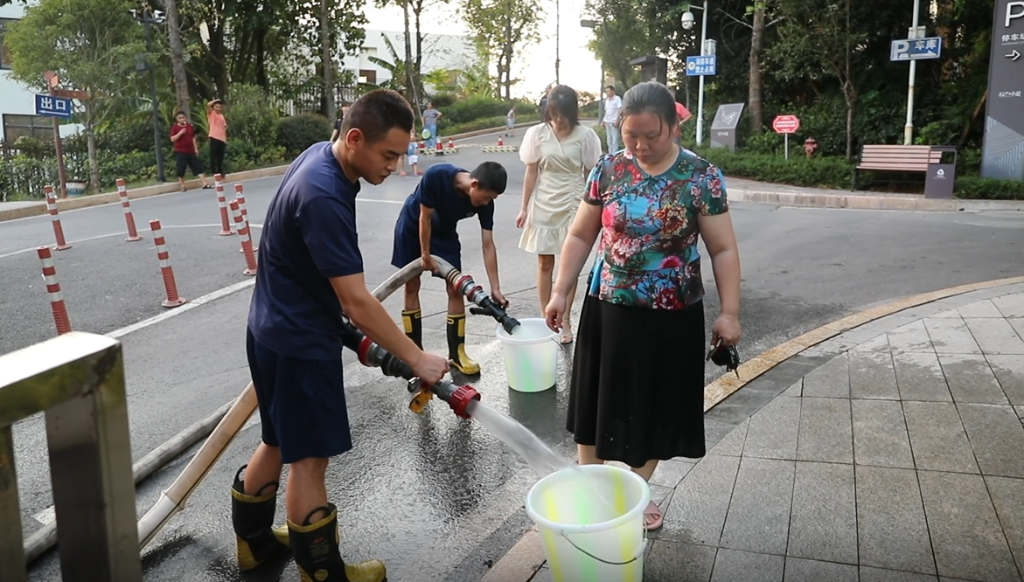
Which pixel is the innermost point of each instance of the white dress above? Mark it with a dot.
(561, 180)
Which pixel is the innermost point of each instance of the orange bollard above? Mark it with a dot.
(222, 202)
(60, 312)
(129, 219)
(240, 198)
(170, 287)
(243, 231)
(58, 230)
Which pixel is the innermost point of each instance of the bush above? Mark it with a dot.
(974, 187)
(251, 117)
(485, 123)
(124, 135)
(818, 172)
(298, 132)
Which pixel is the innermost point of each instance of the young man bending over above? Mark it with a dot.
(426, 226)
(310, 277)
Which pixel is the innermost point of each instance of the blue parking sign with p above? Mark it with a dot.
(915, 49)
(49, 106)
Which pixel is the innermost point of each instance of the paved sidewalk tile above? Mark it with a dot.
(1007, 495)
(912, 337)
(873, 375)
(995, 336)
(825, 431)
(997, 438)
(674, 561)
(758, 518)
(829, 381)
(773, 431)
(970, 379)
(951, 336)
(984, 308)
(824, 516)
(880, 434)
(868, 574)
(937, 437)
(798, 570)
(699, 506)
(738, 566)
(1010, 305)
(733, 443)
(893, 532)
(919, 377)
(965, 532)
(1009, 372)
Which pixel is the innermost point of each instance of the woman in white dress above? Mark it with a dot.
(558, 154)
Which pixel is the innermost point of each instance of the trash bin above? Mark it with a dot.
(941, 176)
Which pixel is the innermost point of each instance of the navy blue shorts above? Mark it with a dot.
(407, 246)
(302, 403)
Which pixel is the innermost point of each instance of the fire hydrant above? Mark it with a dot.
(810, 147)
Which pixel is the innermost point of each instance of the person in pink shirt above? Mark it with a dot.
(683, 115)
(217, 131)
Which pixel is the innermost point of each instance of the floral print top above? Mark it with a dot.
(648, 254)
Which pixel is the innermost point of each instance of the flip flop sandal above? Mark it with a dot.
(653, 510)
(207, 187)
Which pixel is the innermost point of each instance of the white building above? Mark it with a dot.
(440, 51)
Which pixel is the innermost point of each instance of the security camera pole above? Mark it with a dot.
(687, 22)
(147, 19)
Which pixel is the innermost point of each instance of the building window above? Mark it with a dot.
(16, 126)
(368, 76)
(5, 56)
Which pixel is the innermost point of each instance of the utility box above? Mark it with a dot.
(652, 69)
(725, 127)
(941, 172)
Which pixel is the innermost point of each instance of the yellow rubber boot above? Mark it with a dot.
(457, 346)
(252, 516)
(315, 546)
(412, 322)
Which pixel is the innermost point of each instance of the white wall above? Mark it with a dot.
(440, 51)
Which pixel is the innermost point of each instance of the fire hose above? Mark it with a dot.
(173, 499)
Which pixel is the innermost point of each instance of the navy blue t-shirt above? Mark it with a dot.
(309, 236)
(437, 190)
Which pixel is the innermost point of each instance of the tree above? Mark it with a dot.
(92, 45)
(177, 58)
(344, 21)
(501, 28)
(619, 37)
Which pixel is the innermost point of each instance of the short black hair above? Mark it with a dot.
(491, 176)
(180, 113)
(377, 113)
(650, 97)
(563, 101)
(612, 87)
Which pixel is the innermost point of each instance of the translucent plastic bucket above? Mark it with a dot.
(531, 355)
(592, 526)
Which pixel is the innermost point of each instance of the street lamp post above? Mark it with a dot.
(687, 22)
(147, 19)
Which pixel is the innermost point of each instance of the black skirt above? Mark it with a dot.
(637, 387)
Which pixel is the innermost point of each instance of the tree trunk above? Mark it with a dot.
(754, 91)
(177, 57)
(261, 59)
(849, 128)
(94, 159)
(325, 59)
(849, 91)
(410, 81)
(418, 70)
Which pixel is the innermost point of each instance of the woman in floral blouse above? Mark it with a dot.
(637, 389)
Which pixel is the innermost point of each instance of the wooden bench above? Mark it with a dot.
(900, 158)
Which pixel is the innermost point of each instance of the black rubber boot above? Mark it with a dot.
(315, 546)
(412, 321)
(252, 516)
(457, 346)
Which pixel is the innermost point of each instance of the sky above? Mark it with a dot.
(536, 66)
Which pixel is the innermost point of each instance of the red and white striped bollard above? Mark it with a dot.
(58, 230)
(240, 198)
(222, 202)
(129, 218)
(60, 312)
(173, 299)
(243, 232)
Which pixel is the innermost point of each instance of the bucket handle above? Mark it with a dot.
(643, 548)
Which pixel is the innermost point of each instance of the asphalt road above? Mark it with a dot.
(434, 496)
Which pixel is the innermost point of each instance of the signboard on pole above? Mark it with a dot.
(916, 49)
(48, 106)
(725, 125)
(1003, 146)
(786, 124)
(703, 66)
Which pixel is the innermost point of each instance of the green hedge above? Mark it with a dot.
(298, 132)
(818, 172)
(973, 187)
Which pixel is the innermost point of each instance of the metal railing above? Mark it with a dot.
(77, 380)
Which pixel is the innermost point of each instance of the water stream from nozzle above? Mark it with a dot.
(529, 446)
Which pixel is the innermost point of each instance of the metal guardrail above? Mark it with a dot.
(77, 380)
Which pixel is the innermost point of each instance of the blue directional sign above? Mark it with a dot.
(701, 66)
(48, 106)
(916, 49)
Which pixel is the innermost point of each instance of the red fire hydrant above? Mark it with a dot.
(810, 147)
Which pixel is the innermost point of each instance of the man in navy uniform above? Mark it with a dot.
(310, 278)
(445, 195)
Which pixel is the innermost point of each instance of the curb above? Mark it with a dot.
(520, 560)
(65, 204)
(871, 202)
